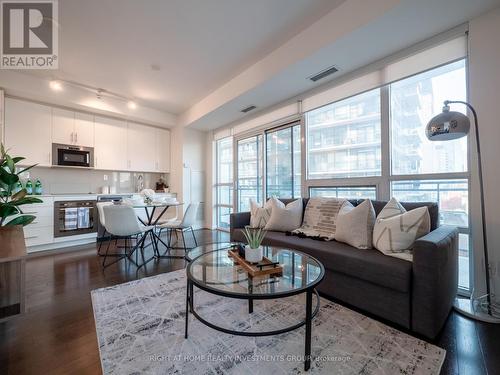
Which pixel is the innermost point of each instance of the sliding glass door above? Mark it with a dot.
(283, 162)
(249, 175)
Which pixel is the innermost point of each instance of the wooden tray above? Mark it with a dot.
(263, 268)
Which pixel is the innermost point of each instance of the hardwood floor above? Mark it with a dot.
(57, 334)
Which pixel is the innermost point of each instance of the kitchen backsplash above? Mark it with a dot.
(76, 181)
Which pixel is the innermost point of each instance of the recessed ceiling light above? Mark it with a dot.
(55, 85)
(131, 104)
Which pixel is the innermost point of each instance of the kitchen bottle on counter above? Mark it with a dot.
(38, 188)
(18, 187)
(29, 187)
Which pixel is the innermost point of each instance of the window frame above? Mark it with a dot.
(290, 126)
(218, 185)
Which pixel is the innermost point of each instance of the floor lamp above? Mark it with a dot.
(446, 126)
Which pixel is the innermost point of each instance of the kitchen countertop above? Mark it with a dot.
(86, 194)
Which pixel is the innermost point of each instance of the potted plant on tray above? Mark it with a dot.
(254, 237)
(12, 218)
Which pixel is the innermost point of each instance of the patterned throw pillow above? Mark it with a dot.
(396, 229)
(320, 218)
(259, 216)
(355, 224)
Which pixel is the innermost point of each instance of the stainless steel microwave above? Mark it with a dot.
(72, 156)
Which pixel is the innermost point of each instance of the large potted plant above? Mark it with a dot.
(12, 218)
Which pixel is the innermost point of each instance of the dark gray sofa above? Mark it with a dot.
(416, 295)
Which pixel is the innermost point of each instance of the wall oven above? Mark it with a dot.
(74, 217)
(72, 156)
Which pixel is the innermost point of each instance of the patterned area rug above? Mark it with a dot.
(140, 329)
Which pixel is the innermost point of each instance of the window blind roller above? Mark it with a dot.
(223, 133)
(269, 118)
(413, 63)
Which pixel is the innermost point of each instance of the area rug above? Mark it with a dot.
(140, 330)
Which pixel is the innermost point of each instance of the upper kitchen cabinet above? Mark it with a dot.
(74, 128)
(110, 144)
(141, 148)
(163, 150)
(28, 131)
(84, 129)
(63, 126)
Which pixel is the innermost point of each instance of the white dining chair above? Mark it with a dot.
(102, 220)
(180, 226)
(121, 222)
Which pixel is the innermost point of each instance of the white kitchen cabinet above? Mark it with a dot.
(110, 151)
(141, 148)
(84, 129)
(163, 150)
(28, 131)
(63, 126)
(41, 230)
(72, 128)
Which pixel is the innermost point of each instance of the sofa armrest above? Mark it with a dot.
(238, 220)
(435, 279)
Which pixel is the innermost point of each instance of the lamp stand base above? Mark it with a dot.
(474, 309)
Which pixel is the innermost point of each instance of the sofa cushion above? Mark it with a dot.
(408, 206)
(369, 265)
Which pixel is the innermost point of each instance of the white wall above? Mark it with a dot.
(484, 82)
(188, 172)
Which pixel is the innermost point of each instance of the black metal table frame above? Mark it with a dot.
(156, 237)
(309, 290)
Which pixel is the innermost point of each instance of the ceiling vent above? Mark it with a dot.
(323, 74)
(248, 109)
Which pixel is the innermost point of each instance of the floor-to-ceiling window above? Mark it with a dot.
(283, 162)
(369, 145)
(249, 175)
(224, 182)
(422, 170)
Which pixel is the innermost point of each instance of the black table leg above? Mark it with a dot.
(250, 290)
(307, 356)
(187, 309)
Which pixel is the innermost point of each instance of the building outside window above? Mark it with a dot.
(224, 182)
(283, 162)
(341, 136)
(348, 192)
(413, 101)
(249, 178)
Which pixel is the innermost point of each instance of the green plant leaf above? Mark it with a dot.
(6, 209)
(25, 200)
(21, 220)
(7, 178)
(17, 159)
(10, 164)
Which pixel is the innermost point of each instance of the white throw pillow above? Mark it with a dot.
(259, 216)
(355, 224)
(396, 229)
(285, 218)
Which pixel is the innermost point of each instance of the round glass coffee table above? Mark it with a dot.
(217, 273)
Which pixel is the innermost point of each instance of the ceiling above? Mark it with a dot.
(205, 60)
(414, 21)
(197, 44)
